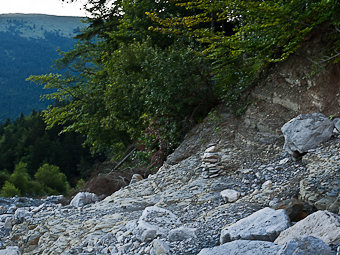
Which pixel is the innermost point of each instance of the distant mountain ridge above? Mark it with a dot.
(28, 46)
(36, 25)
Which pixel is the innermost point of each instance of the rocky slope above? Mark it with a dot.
(181, 210)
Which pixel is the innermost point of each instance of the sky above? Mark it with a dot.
(52, 7)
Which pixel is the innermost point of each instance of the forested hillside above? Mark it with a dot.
(28, 45)
(27, 148)
(144, 72)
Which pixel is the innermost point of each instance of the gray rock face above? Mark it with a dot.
(243, 247)
(321, 224)
(265, 224)
(83, 198)
(306, 132)
(308, 245)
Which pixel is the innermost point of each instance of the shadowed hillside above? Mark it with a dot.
(28, 45)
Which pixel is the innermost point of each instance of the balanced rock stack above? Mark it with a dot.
(211, 163)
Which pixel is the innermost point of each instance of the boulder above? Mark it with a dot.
(230, 195)
(155, 221)
(22, 214)
(83, 198)
(243, 247)
(306, 131)
(265, 224)
(308, 245)
(321, 224)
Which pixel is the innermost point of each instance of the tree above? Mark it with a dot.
(52, 180)
(130, 80)
(264, 32)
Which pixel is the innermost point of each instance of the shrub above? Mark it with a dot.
(4, 176)
(9, 190)
(21, 179)
(52, 180)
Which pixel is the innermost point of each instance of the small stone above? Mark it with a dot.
(230, 195)
(267, 185)
(148, 235)
(283, 161)
(136, 178)
(181, 233)
(211, 149)
(160, 247)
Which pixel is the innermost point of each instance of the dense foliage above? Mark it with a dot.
(37, 161)
(145, 71)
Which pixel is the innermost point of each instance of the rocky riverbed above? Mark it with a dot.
(190, 205)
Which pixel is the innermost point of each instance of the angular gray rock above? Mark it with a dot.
(22, 214)
(83, 198)
(321, 224)
(230, 195)
(155, 221)
(308, 245)
(306, 132)
(243, 247)
(181, 233)
(265, 224)
(160, 247)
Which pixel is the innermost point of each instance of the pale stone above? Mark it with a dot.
(267, 185)
(308, 245)
(321, 224)
(230, 195)
(160, 247)
(306, 131)
(136, 178)
(243, 247)
(83, 198)
(155, 221)
(21, 214)
(211, 149)
(265, 224)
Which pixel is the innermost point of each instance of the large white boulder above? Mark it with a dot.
(83, 198)
(306, 131)
(321, 224)
(265, 224)
(243, 247)
(308, 245)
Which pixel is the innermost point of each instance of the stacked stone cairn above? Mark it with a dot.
(211, 163)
